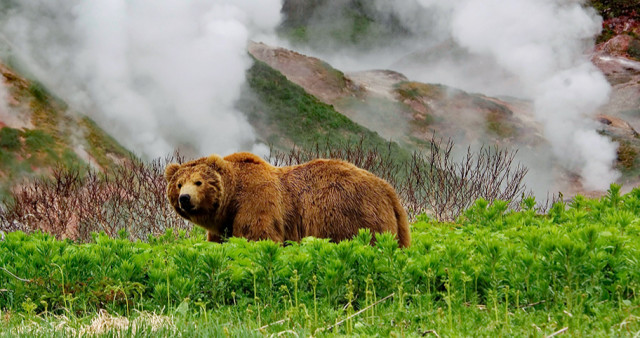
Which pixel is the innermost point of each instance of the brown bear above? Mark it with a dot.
(244, 196)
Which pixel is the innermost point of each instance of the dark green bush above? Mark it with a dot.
(38, 140)
(614, 8)
(10, 138)
(39, 92)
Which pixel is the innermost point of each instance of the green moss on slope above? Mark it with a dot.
(53, 136)
(101, 144)
(284, 114)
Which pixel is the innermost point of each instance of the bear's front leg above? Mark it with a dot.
(212, 237)
(258, 227)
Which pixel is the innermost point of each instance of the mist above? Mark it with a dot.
(165, 75)
(157, 75)
(4, 106)
(535, 50)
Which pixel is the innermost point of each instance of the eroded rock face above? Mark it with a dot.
(623, 73)
(13, 112)
(617, 46)
(389, 103)
(378, 82)
(617, 127)
(317, 77)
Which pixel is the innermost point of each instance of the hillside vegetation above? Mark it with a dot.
(40, 133)
(613, 8)
(326, 24)
(285, 115)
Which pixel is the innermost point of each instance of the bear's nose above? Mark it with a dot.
(185, 201)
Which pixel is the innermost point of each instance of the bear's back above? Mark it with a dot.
(322, 171)
(333, 199)
(244, 157)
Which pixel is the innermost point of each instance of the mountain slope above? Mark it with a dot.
(410, 112)
(38, 132)
(400, 109)
(284, 115)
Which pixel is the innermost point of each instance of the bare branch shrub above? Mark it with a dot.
(72, 204)
(431, 182)
(445, 187)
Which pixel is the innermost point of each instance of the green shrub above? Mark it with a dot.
(39, 92)
(10, 138)
(614, 8)
(38, 140)
(634, 49)
(493, 271)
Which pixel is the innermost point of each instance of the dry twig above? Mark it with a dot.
(75, 203)
(433, 332)
(274, 323)
(559, 332)
(357, 313)
(16, 277)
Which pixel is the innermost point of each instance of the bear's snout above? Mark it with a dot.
(185, 202)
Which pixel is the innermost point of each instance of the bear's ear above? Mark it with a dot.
(170, 170)
(215, 161)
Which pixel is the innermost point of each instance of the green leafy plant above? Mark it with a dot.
(503, 271)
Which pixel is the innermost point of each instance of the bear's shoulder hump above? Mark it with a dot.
(245, 157)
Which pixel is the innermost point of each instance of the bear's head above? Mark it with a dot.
(196, 189)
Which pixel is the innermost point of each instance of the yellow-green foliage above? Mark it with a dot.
(52, 138)
(417, 90)
(627, 155)
(101, 143)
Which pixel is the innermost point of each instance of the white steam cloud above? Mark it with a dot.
(155, 74)
(534, 49)
(542, 42)
(166, 74)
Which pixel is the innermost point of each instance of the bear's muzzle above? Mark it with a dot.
(185, 202)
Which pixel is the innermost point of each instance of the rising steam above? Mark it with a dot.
(4, 106)
(543, 43)
(533, 49)
(155, 74)
(166, 74)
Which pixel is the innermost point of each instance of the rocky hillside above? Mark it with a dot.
(400, 109)
(618, 57)
(285, 116)
(327, 24)
(410, 112)
(38, 133)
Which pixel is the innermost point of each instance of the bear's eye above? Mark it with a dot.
(179, 185)
(198, 183)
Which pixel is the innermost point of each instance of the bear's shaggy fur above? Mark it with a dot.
(244, 196)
